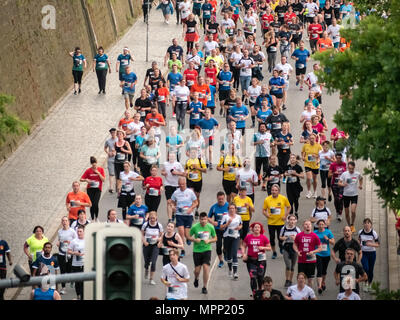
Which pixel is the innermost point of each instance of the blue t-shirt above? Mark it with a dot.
(47, 295)
(276, 82)
(201, 55)
(236, 112)
(225, 76)
(140, 140)
(263, 115)
(140, 211)
(326, 252)
(305, 134)
(346, 10)
(78, 62)
(174, 78)
(195, 115)
(124, 61)
(236, 4)
(101, 61)
(315, 102)
(261, 98)
(302, 55)
(286, 138)
(51, 263)
(174, 141)
(207, 125)
(3, 249)
(207, 9)
(211, 97)
(129, 79)
(218, 212)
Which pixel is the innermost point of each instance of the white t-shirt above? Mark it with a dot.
(267, 142)
(286, 68)
(184, 7)
(245, 70)
(230, 230)
(325, 163)
(368, 236)
(177, 290)
(312, 79)
(181, 93)
(320, 214)
(254, 92)
(152, 233)
(249, 24)
(64, 236)
(127, 184)
(307, 115)
(136, 129)
(184, 200)
(236, 57)
(227, 24)
(352, 180)
(296, 294)
(209, 45)
(333, 32)
(352, 296)
(170, 179)
(243, 175)
(77, 245)
(312, 9)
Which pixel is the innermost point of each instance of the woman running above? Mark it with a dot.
(154, 186)
(294, 172)
(79, 63)
(170, 240)
(101, 65)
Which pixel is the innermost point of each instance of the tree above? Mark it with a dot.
(9, 123)
(367, 75)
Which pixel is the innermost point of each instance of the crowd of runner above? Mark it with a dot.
(219, 71)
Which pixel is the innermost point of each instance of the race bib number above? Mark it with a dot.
(203, 235)
(120, 156)
(310, 158)
(276, 211)
(261, 256)
(311, 257)
(292, 179)
(153, 192)
(242, 210)
(196, 116)
(190, 83)
(231, 170)
(275, 180)
(124, 62)
(272, 49)
(193, 175)
(101, 65)
(276, 126)
(173, 289)
(191, 30)
(138, 221)
(300, 66)
(152, 240)
(94, 184)
(324, 247)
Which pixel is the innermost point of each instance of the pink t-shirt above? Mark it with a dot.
(335, 131)
(307, 242)
(253, 243)
(337, 170)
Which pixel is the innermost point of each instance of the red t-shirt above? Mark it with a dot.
(155, 184)
(307, 242)
(150, 118)
(95, 181)
(162, 94)
(314, 29)
(253, 243)
(289, 16)
(337, 170)
(123, 123)
(266, 20)
(212, 74)
(191, 76)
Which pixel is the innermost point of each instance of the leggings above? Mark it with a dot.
(272, 231)
(205, 23)
(220, 239)
(78, 285)
(150, 254)
(261, 162)
(77, 76)
(256, 271)
(231, 246)
(293, 196)
(3, 275)
(180, 110)
(236, 77)
(368, 263)
(65, 266)
(322, 265)
(101, 78)
(338, 196)
(324, 179)
(145, 12)
(94, 196)
(161, 109)
(271, 60)
(290, 259)
(313, 45)
(152, 202)
(177, 12)
(283, 159)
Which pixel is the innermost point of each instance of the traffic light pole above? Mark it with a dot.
(48, 279)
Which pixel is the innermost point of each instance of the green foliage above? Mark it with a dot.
(10, 123)
(368, 79)
(384, 294)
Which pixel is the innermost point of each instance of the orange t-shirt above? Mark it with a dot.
(343, 45)
(123, 123)
(162, 94)
(81, 197)
(203, 90)
(150, 119)
(214, 4)
(324, 44)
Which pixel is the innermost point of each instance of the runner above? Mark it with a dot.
(169, 240)
(310, 156)
(174, 276)
(75, 201)
(95, 177)
(190, 32)
(245, 208)
(81, 221)
(300, 291)
(349, 181)
(266, 292)
(122, 150)
(33, 246)
(153, 185)
(306, 245)
(348, 293)
(346, 242)
(276, 209)
(286, 69)
(79, 63)
(274, 174)
(77, 250)
(321, 212)
(112, 217)
(150, 153)
(209, 45)
(254, 249)
(5, 253)
(246, 64)
(167, 9)
(287, 235)
(239, 113)
(101, 65)
(334, 33)
(180, 100)
(162, 97)
(109, 148)
(203, 235)
(324, 43)
(134, 129)
(183, 201)
(369, 241)
(301, 56)
(137, 213)
(155, 120)
(231, 224)
(44, 293)
(293, 174)
(224, 84)
(312, 81)
(285, 37)
(271, 43)
(209, 127)
(174, 48)
(143, 105)
(283, 141)
(335, 170)
(123, 60)
(247, 178)
(251, 96)
(276, 86)
(152, 232)
(326, 238)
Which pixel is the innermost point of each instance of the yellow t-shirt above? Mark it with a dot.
(229, 162)
(312, 158)
(35, 245)
(274, 5)
(276, 207)
(194, 175)
(244, 213)
(218, 61)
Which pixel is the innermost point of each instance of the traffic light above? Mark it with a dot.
(116, 258)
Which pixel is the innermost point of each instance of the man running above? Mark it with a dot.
(301, 55)
(208, 126)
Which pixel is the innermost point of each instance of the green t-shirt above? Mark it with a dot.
(177, 62)
(78, 61)
(35, 245)
(206, 232)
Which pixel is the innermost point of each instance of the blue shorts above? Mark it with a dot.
(185, 221)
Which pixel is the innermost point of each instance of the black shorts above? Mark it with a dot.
(314, 171)
(277, 95)
(229, 187)
(243, 130)
(310, 19)
(347, 200)
(197, 11)
(195, 185)
(200, 258)
(301, 71)
(209, 141)
(307, 268)
(223, 95)
(169, 190)
(77, 76)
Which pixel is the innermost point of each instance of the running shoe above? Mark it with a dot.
(309, 195)
(330, 198)
(339, 217)
(152, 282)
(196, 215)
(146, 274)
(284, 107)
(220, 264)
(264, 188)
(221, 112)
(301, 88)
(353, 230)
(398, 250)
(235, 276)
(230, 274)
(188, 242)
(297, 83)
(211, 166)
(239, 253)
(287, 284)
(315, 195)
(284, 180)
(323, 287)
(366, 288)
(204, 290)
(110, 190)
(320, 290)
(274, 255)
(281, 250)
(182, 254)
(75, 92)
(196, 283)
(79, 91)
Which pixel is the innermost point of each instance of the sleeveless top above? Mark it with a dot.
(40, 295)
(120, 156)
